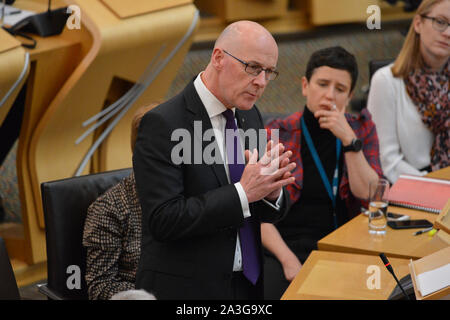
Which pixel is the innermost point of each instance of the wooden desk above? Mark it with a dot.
(12, 63)
(440, 174)
(109, 52)
(51, 63)
(353, 237)
(333, 275)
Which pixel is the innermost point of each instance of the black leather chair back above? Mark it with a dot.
(359, 103)
(374, 65)
(65, 207)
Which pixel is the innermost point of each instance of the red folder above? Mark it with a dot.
(420, 193)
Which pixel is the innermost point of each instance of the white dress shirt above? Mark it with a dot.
(215, 108)
(405, 141)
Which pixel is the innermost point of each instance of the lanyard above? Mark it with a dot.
(332, 192)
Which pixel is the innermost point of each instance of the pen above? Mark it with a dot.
(13, 12)
(422, 231)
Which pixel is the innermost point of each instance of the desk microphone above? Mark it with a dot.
(48, 23)
(388, 266)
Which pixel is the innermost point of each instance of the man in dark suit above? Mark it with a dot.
(201, 218)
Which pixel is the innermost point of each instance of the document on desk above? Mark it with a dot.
(420, 193)
(14, 15)
(433, 280)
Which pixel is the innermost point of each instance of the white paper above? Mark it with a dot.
(434, 280)
(12, 19)
(425, 179)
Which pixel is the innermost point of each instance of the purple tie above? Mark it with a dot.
(236, 166)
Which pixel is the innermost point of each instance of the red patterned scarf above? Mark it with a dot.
(429, 90)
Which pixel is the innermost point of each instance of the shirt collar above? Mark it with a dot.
(213, 106)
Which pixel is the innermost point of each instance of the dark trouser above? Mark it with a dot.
(243, 289)
(275, 284)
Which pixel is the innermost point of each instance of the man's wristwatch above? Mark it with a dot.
(354, 146)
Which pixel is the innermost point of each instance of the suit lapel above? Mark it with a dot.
(198, 113)
(243, 123)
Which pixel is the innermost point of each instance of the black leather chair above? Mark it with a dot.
(374, 65)
(357, 104)
(8, 284)
(65, 207)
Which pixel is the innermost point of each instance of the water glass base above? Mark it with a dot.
(377, 232)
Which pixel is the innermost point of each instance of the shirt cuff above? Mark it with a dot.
(244, 201)
(278, 203)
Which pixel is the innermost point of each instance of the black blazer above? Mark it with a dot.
(190, 213)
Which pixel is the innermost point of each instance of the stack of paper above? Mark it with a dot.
(13, 15)
(434, 280)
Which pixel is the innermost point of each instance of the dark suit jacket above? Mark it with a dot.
(190, 213)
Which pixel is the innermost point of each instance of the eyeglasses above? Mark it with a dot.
(438, 24)
(255, 69)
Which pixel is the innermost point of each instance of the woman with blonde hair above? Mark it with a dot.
(409, 99)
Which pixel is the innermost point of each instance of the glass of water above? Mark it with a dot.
(378, 204)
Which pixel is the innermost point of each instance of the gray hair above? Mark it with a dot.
(133, 295)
